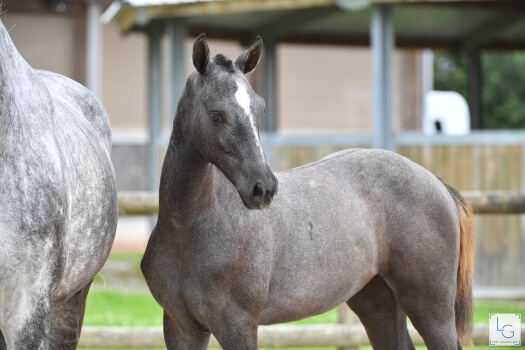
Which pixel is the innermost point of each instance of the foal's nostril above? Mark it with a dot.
(258, 192)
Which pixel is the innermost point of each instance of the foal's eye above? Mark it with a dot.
(215, 117)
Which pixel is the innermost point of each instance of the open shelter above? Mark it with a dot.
(465, 26)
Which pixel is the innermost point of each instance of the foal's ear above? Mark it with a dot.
(201, 53)
(248, 60)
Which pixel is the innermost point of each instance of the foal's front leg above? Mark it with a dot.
(180, 335)
(237, 330)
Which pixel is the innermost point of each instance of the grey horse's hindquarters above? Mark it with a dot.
(57, 198)
(78, 100)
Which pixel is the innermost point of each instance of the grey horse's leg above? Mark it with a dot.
(184, 335)
(384, 321)
(28, 320)
(66, 321)
(3, 346)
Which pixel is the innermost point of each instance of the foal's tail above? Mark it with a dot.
(463, 304)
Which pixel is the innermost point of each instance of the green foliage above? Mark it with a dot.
(450, 72)
(503, 85)
(503, 92)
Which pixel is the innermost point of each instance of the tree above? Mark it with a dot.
(503, 85)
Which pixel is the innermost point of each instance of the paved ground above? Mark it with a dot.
(132, 234)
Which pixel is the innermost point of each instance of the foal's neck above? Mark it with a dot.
(187, 181)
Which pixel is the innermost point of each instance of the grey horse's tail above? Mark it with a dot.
(463, 304)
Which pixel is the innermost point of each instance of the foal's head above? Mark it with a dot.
(222, 115)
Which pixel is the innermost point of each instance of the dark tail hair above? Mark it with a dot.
(463, 304)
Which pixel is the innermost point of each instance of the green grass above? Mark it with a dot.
(118, 308)
(114, 308)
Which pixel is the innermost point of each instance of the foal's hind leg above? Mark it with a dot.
(384, 321)
(66, 321)
(431, 311)
(425, 288)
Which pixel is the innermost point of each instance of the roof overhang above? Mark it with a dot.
(430, 23)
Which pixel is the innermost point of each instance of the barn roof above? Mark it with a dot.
(418, 23)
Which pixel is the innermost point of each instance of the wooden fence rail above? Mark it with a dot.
(483, 202)
(342, 336)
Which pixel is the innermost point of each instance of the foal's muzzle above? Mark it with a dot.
(262, 192)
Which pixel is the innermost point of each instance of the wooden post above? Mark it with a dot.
(382, 44)
(154, 101)
(348, 318)
(94, 48)
(474, 88)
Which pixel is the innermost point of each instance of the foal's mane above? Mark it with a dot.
(223, 62)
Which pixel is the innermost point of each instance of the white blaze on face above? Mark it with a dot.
(243, 99)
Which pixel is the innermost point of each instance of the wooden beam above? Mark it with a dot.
(154, 101)
(382, 40)
(231, 7)
(290, 23)
(474, 82)
(496, 202)
(488, 31)
(336, 335)
(483, 202)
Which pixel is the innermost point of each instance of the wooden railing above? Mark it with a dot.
(483, 202)
(280, 336)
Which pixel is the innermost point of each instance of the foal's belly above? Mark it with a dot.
(318, 266)
(325, 245)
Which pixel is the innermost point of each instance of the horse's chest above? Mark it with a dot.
(210, 263)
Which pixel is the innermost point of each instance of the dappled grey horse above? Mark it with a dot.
(58, 204)
(365, 227)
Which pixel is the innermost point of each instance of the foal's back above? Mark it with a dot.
(339, 222)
